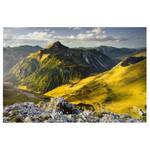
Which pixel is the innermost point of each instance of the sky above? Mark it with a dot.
(134, 37)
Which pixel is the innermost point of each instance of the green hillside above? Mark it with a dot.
(121, 90)
(56, 65)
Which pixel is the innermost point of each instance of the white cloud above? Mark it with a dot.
(35, 36)
(43, 37)
(96, 30)
(93, 34)
(53, 32)
(81, 36)
(40, 38)
(71, 37)
(85, 36)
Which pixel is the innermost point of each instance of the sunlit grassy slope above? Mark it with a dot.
(121, 90)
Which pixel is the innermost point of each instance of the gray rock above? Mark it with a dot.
(27, 119)
(58, 110)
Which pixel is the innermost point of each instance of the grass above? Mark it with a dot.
(12, 95)
(119, 90)
(18, 98)
(23, 87)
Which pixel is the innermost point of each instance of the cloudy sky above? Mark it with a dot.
(76, 37)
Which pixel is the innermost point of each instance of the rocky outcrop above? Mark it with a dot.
(57, 45)
(58, 110)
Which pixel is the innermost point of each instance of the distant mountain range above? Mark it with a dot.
(11, 55)
(116, 53)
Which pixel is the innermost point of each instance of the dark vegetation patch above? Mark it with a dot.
(83, 106)
(132, 60)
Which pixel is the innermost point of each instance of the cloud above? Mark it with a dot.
(98, 34)
(76, 28)
(35, 36)
(49, 30)
(7, 34)
(47, 35)
(111, 38)
(53, 32)
(84, 36)
(96, 30)
(92, 34)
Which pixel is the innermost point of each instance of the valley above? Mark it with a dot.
(101, 80)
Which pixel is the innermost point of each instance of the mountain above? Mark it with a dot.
(11, 55)
(121, 90)
(46, 69)
(116, 53)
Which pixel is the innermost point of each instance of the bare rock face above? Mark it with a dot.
(58, 45)
(60, 104)
(58, 110)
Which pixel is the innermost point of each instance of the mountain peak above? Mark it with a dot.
(58, 45)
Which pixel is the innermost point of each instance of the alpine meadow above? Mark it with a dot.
(74, 74)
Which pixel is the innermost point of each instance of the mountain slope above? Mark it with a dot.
(121, 89)
(11, 55)
(116, 53)
(12, 95)
(56, 65)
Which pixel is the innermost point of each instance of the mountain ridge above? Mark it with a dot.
(121, 89)
(54, 66)
(11, 55)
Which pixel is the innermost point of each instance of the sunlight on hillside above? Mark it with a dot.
(22, 87)
(38, 56)
(44, 56)
(121, 90)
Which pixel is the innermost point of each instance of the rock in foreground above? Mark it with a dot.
(58, 110)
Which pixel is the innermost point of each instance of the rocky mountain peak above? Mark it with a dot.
(58, 45)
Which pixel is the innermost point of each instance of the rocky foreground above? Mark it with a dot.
(58, 110)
